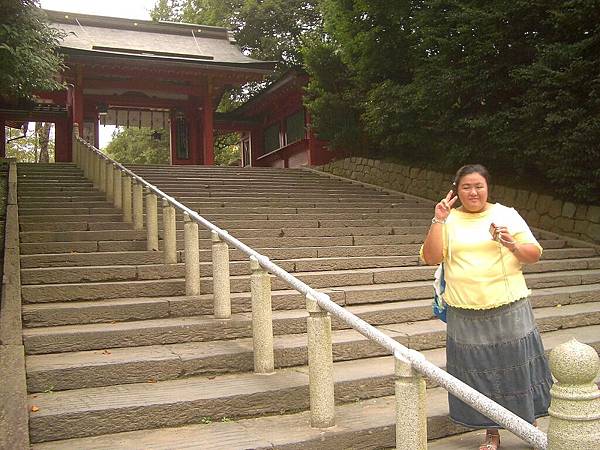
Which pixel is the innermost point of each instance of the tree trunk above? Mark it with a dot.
(44, 138)
(36, 140)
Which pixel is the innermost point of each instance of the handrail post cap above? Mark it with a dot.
(255, 263)
(312, 305)
(574, 363)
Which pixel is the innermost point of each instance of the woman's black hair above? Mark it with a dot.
(469, 169)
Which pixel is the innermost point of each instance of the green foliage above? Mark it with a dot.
(268, 30)
(28, 62)
(27, 149)
(511, 84)
(137, 146)
(329, 96)
(227, 150)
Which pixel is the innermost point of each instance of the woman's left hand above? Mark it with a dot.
(505, 238)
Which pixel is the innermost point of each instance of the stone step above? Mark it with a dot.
(162, 271)
(147, 281)
(74, 226)
(120, 365)
(50, 210)
(127, 309)
(368, 424)
(420, 335)
(80, 236)
(80, 232)
(307, 254)
(122, 281)
(47, 275)
(69, 190)
(57, 218)
(339, 245)
(81, 202)
(110, 409)
(26, 183)
(81, 247)
(61, 196)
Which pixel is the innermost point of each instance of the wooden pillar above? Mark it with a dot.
(207, 126)
(63, 144)
(96, 131)
(78, 101)
(195, 130)
(256, 143)
(173, 137)
(2, 139)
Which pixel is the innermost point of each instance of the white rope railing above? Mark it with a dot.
(410, 364)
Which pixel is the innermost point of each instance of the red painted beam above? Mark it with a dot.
(138, 85)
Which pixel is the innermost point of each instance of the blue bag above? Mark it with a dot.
(440, 307)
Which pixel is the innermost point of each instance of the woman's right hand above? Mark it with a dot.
(442, 209)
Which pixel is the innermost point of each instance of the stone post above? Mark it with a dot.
(86, 162)
(90, 161)
(169, 233)
(575, 398)
(12, 196)
(126, 191)
(320, 366)
(221, 283)
(117, 189)
(411, 414)
(192, 256)
(138, 206)
(82, 158)
(101, 174)
(151, 221)
(75, 146)
(110, 173)
(95, 169)
(262, 321)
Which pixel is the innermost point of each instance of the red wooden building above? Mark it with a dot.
(275, 127)
(170, 75)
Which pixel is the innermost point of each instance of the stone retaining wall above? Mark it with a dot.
(543, 211)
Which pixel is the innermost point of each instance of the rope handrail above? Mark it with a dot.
(417, 360)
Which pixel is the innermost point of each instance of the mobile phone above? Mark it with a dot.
(493, 231)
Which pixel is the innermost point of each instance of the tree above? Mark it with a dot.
(227, 149)
(139, 146)
(511, 84)
(27, 146)
(28, 61)
(265, 29)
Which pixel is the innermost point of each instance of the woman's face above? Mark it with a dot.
(473, 192)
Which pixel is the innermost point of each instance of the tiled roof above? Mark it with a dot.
(150, 40)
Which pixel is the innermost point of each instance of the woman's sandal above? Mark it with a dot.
(492, 441)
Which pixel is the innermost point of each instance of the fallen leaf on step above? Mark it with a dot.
(34, 408)
(559, 305)
(105, 352)
(151, 381)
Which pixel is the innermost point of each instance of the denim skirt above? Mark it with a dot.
(498, 352)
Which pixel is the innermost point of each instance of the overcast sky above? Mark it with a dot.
(130, 9)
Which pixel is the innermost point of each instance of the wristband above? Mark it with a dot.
(434, 220)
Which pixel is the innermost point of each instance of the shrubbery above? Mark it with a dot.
(513, 85)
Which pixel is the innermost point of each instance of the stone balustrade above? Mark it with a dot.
(544, 211)
(575, 409)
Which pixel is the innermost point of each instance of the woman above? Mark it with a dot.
(493, 344)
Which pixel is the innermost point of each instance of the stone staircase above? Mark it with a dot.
(119, 357)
